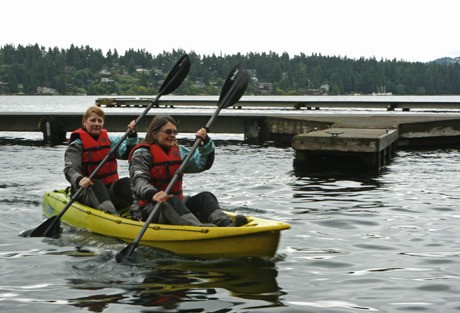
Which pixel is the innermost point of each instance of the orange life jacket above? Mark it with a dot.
(94, 151)
(165, 165)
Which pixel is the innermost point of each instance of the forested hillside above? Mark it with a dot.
(35, 69)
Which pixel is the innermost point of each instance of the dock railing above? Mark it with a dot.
(389, 103)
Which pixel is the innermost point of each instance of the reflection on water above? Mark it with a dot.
(185, 284)
(327, 194)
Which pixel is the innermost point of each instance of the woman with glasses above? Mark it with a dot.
(152, 165)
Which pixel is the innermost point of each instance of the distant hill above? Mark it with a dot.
(35, 69)
(447, 61)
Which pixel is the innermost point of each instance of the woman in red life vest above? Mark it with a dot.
(152, 166)
(88, 146)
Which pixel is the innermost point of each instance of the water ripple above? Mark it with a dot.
(387, 244)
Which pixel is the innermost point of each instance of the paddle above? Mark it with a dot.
(51, 227)
(234, 87)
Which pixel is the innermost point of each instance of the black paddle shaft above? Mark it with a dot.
(234, 87)
(177, 75)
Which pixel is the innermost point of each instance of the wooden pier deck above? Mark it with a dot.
(308, 102)
(353, 149)
(321, 141)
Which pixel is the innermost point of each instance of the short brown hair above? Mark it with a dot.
(92, 109)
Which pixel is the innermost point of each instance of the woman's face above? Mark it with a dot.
(94, 124)
(166, 136)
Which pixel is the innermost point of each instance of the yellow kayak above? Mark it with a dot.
(258, 238)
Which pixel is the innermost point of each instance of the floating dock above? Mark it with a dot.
(346, 150)
(329, 142)
(392, 103)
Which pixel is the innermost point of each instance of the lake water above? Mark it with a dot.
(384, 244)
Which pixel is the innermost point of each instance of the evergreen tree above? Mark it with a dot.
(77, 69)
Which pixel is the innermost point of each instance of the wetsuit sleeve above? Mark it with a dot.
(139, 172)
(126, 146)
(72, 163)
(201, 160)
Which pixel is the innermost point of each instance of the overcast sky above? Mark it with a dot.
(411, 30)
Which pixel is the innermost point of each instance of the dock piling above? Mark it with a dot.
(53, 132)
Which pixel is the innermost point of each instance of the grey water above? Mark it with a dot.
(382, 244)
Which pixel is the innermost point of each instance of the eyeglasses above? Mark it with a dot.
(169, 131)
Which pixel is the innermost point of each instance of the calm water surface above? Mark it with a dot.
(385, 244)
(388, 244)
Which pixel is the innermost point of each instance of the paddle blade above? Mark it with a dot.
(176, 76)
(234, 87)
(124, 256)
(49, 228)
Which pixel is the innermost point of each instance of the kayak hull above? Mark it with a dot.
(258, 238)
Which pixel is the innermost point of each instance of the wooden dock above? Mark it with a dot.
(322, 142)
(338, 149)
(297, 102)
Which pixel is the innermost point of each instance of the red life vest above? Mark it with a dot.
(165, 165)
(94, 151)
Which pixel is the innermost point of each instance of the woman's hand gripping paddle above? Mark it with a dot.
(51, 227)
(234, 87)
